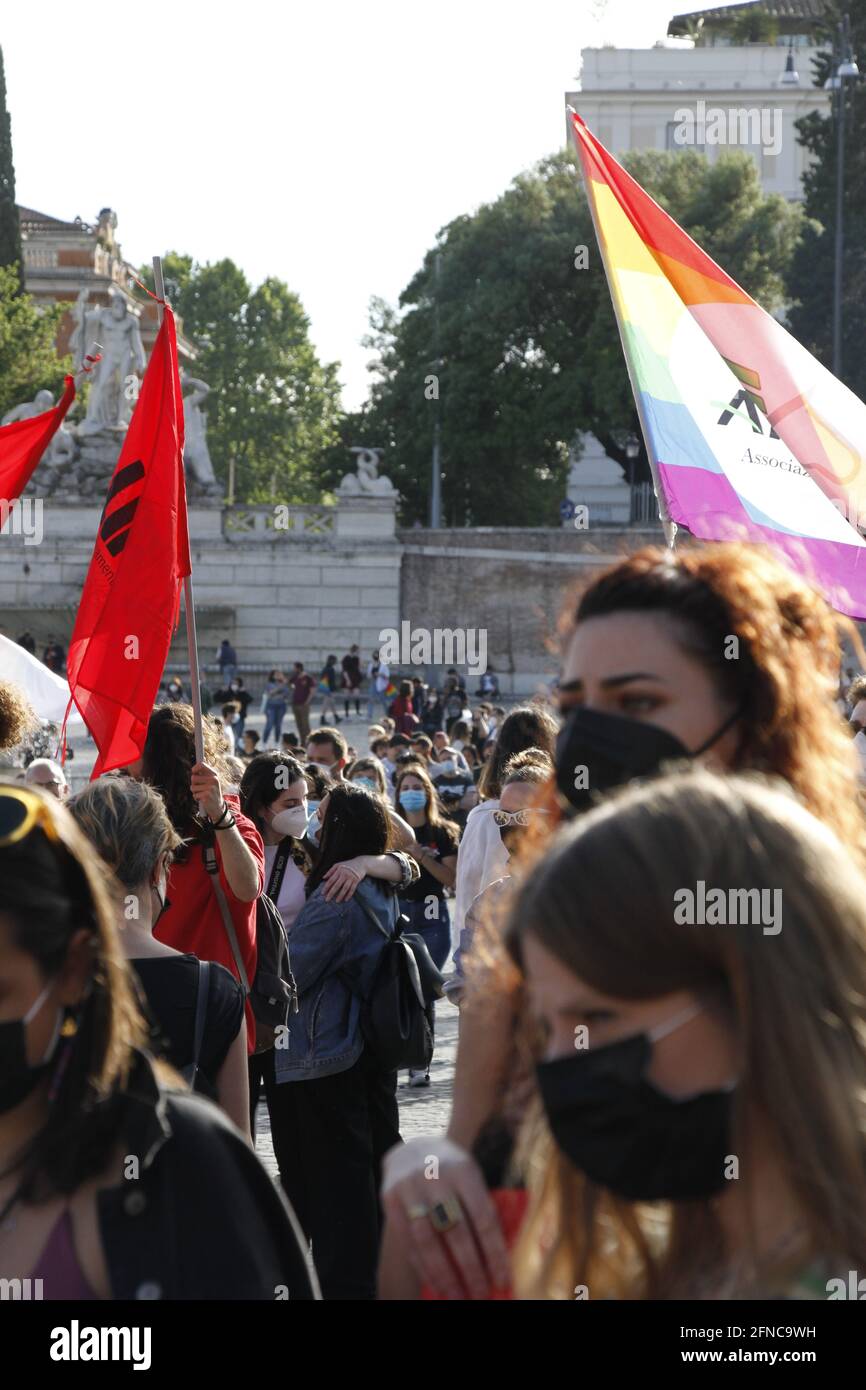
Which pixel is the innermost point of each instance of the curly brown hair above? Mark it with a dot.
(785, 680)
(17, 718)
(169, 757)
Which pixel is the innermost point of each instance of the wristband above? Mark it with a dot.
(226, 819)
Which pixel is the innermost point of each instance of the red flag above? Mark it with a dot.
(130, 602)
(23, 443)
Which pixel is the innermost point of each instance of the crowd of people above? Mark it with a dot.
(648, 906)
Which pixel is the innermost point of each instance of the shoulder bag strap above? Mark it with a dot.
(210, 863)
(278, 870)
(201, 998)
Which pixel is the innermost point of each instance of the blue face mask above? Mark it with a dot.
(365, 782)
(447, 769)
(413, 800)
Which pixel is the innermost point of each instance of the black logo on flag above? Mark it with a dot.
(115, 525)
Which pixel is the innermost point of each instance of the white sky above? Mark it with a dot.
(322, 143)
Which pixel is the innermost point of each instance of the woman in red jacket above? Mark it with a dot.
(191, 920)
(402, 710)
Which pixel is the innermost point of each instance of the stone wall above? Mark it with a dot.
(336, 576)
(511, 582)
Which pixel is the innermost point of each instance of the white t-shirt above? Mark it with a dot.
(292, 897)
(481, 859)
(382, 677)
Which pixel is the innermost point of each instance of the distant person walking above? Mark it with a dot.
(352, 678)
(329, 684)
(227, 660)
(379, 676)
(303, 687)
(276, 703)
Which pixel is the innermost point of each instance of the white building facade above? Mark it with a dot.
(639, 98)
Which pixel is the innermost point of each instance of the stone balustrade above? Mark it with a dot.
(245, 523)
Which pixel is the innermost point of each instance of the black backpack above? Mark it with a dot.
(274, 994)
(396, 1014)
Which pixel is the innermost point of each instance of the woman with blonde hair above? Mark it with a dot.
(703, 1078)
(198, 1007)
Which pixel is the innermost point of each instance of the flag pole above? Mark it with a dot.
(188, 602)
(668, 525)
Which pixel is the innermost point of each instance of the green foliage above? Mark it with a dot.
(28, 357)
(529, 348)
(10, 231)
(273, 407)
(810, 282)
(753, 26)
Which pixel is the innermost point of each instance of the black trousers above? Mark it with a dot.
(330, 1136)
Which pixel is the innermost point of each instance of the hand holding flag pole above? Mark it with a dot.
(188, 602)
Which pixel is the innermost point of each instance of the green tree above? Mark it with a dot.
(10, 231)
(273, 407)
(810, 283)
(529, 353)
(28, 357)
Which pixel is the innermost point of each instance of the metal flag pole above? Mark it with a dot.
(188, 601)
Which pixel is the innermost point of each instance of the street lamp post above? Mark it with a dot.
(632, 450)
(847, 68)
(436, 478)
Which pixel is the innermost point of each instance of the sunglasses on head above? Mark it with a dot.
(20, 811)
(502, 818)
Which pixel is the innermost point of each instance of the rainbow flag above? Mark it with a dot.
(749, 437)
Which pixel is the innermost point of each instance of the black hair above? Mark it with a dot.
(355, 823)
(259, 787)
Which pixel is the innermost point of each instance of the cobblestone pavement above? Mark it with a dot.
(423, 1110)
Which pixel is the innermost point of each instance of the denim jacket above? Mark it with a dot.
(335, 949)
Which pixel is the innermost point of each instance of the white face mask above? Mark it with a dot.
(292, 821)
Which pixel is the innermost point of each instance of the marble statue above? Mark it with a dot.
(196, 455)
(366, 482)
(115, 328)
(61, 448)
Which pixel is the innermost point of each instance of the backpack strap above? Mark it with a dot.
(368, 912)
(210, 863)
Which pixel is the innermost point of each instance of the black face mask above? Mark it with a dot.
(17, 1078)
(629, 1137)
(606, 750)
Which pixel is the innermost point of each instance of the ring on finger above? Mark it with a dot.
(445, 1215)
(417, 1211)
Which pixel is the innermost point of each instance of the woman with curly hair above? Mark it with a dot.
(207, 818)
(17, 719)
(719, 654)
